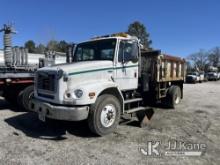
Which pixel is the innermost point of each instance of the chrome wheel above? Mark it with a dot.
(108, 115)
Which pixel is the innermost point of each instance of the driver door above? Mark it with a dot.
(127, 65)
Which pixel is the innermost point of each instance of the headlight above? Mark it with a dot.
(65, 77)
(59, 73)
(78, 93)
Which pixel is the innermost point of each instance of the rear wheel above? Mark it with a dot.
(174, 96)
(104, 115)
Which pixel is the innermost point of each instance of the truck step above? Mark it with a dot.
(132, 100)
(135, 109)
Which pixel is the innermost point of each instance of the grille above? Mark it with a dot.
(46, 81)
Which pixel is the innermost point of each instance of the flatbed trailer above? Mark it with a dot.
(16, 84)
(18, 67)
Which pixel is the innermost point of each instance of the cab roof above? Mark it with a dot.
(114, 36)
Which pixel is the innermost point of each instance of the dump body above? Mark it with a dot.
(163, 68)
(158, 72)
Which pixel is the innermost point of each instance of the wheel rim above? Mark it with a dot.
(108, 115)
(30, 96)
(177, 99)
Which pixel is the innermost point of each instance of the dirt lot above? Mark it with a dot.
(26, 140)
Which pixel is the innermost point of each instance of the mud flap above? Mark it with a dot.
(145, 116)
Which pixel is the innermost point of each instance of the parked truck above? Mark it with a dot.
(194, 77)
(17, 70)
(108, 77)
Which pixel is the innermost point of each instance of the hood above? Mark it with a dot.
(81, 66)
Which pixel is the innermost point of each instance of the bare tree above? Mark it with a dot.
(200, 60)
(214, 57)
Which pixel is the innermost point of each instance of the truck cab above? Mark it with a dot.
(100, 84)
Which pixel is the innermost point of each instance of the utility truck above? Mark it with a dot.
(107, 77)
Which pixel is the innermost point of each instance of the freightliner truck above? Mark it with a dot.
(108, 77)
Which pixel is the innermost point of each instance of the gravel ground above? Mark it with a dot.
(26, 140)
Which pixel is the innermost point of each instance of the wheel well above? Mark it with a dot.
(114, 92)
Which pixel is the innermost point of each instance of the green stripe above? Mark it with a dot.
(102, 69)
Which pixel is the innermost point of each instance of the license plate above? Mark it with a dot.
(42, 115)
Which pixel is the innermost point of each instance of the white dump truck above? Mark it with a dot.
(107, 77)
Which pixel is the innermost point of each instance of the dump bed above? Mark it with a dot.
(161, 67)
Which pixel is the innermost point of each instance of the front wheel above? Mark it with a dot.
(104, 115)
(25, 96)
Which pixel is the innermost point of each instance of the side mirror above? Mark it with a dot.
(70, 53)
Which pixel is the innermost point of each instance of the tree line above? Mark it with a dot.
(136, 28)
(59, 46)
(203, 59)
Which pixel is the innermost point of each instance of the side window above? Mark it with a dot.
(128, 50)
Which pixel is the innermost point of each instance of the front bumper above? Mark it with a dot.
(58, 112)
(212, 78)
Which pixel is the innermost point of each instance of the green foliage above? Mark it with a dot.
(30, 45)
(139, 30)
(62, 46)
(40, 49)
(58, 46)
(52, 45)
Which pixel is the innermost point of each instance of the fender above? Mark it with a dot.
(96, 87)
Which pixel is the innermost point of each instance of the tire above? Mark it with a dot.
(173, 96)
(98, 121)
(25, 96)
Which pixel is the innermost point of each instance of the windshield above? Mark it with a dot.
(95, 50)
